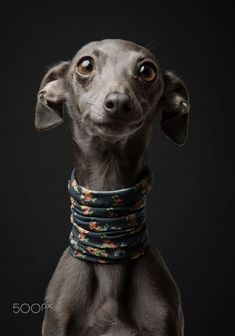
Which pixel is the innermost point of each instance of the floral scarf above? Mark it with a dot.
(109, 226)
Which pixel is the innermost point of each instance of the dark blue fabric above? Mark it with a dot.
(109, 226)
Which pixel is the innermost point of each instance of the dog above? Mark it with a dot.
(112, 90)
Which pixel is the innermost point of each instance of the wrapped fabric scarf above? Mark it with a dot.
(108, 226)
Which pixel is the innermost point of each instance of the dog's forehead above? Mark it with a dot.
(114, 49)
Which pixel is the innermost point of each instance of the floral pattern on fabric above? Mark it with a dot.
(109, 226)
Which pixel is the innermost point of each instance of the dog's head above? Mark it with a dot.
(110, 88)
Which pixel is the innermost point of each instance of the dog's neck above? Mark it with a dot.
(101, 165)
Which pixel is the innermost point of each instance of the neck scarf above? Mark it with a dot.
(108, 226)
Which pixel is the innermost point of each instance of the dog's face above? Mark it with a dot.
(114, 85)
(110, 88)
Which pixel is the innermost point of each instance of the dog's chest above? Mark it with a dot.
(112, 306)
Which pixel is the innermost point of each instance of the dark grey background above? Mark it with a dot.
(189, 209)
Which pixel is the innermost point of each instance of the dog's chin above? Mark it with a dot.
(115, 131)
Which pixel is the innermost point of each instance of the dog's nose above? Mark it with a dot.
(117, 104)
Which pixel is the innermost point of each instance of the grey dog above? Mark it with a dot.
(112, 90)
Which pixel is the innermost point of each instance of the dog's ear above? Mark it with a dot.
(175, 109)
(51, 98)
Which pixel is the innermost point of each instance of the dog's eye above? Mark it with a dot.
(147, 71)
(85, 66)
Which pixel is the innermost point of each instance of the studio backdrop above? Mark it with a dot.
(189, 212)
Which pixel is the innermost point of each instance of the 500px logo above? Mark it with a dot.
(34, 308)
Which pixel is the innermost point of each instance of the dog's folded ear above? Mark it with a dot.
(175, 109)
(51, 98)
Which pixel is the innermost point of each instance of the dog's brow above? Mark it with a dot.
(98, 53)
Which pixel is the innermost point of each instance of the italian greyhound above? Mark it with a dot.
(112, 90)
